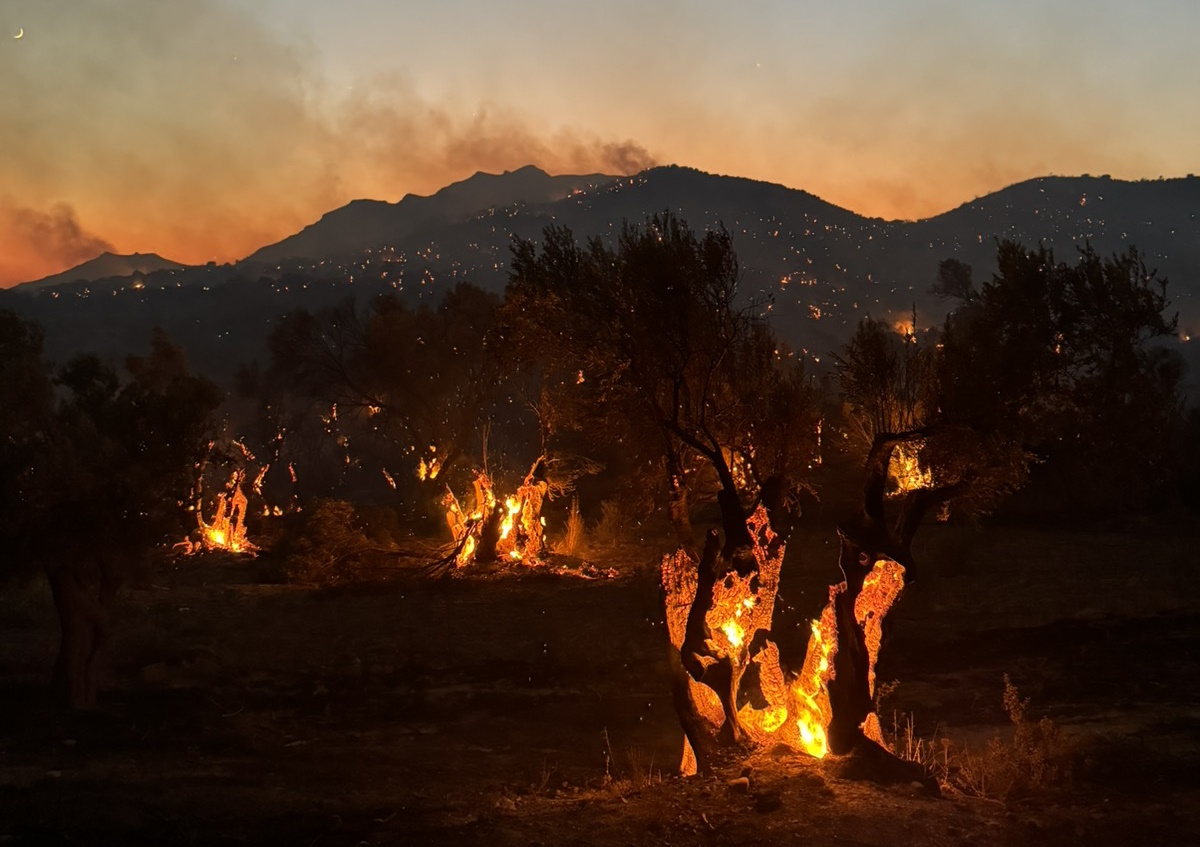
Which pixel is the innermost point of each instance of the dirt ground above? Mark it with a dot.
(534, 708)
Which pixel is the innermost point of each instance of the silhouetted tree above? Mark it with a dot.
(395, 386)
(1060, 355)
(648, 342)
(104, 478)
(26, 410)
(1043, 354)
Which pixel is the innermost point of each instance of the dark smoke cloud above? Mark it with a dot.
(390, 136)
(55, 233)
(39, 242)
(189, 129)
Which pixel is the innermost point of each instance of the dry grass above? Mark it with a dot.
(610, 529)
(1033, 757)
(572, 542)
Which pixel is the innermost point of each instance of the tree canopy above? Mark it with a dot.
(650, 342)
(99, 472)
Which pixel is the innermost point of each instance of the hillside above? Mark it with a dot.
(817, 268)
(105, 266)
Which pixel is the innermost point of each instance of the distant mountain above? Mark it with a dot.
(105, 266)
(372, 223)
(816, 268)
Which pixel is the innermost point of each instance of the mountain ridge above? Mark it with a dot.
(107, 265)
(815, 268)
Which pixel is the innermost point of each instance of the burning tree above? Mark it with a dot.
(511, 529)
(227, 529)
(952, 422)
(98, 478)
(649, 343)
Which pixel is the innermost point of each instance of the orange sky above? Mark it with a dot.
(203, 129)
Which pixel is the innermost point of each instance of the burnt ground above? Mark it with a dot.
(534, 708)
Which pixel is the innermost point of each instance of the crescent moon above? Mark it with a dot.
(20, 32)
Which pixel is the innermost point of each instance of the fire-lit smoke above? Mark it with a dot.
(189, 129)
(42, 242)
(193, 129)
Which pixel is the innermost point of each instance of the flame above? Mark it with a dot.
(794, 707)
(906, 471)
(227, 531)
(809, 689)
(521, 528)
(429, 469)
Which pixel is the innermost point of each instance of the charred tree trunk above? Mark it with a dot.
(489, 535)
(775, 494)
(698, 662)
(679, 507)
(679, 511)
(850, 697)
(705, 746)
(84, 636)
(866, 539)
(733, 516)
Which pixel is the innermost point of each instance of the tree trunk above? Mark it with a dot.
(733, 516)
(489, 535)
(850, 699)
(679, 509)
(776, 495)
(697, 662)
(84, 636)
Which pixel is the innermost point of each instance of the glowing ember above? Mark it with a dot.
(879, 591)
(428, 470)
(906, 471)
(518, 523)
(227, 531)
(789, 707)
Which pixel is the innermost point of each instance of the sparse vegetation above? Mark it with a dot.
(324, 544)
(610, 529)
(1030, 756)
(573, 537)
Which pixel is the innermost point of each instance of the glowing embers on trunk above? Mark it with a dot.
(512, 530)
(906, 472)
(879, 591)
(227, 530)
(774, 702)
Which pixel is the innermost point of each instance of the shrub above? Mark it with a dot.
(611, 526)
(322, 545)
(1038, 757)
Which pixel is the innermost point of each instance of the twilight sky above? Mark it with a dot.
(203, 129)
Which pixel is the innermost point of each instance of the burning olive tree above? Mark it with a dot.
(949, 420)
(98, 479)
(1041, 351)
(649, 342)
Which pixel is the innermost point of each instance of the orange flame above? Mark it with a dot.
(906, 471)
(522, 527)
(794, 707)
(227, 531)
